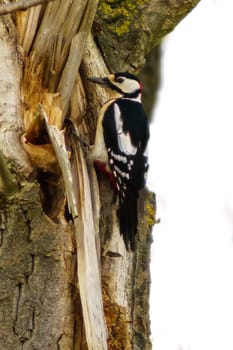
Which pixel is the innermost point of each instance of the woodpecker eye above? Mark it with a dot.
(119, 80)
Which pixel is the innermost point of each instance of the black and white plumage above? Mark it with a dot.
(120, 147)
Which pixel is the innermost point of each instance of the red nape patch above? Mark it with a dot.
(102, 167)
(141, 87)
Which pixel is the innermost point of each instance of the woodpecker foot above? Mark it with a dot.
(72, 129)
(85, 146)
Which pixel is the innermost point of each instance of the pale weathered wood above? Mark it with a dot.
(11, 124)
(20, 5)
(88, 264)
(89, 276)
(27, 23)
(71, 69)
(76, 52)
(76, 180)
(56, 32)
(58, 142)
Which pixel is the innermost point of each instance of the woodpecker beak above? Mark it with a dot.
(101, 81)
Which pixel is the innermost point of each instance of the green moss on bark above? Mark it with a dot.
(123, 16)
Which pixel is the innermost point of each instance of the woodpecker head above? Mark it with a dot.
(124, 83)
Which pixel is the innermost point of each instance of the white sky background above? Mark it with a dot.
(191, 170)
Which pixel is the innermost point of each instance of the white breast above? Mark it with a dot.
(98, 151)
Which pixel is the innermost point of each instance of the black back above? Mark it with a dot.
(134, 165)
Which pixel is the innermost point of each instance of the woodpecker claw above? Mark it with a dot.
(85, 146)
(72, 130)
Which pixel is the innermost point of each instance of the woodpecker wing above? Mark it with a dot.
(135, 122)
(126, 135)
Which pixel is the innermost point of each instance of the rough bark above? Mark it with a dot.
(134, 27)
(51, 295)
(150, 77)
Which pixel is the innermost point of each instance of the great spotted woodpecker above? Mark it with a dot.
(120, 144)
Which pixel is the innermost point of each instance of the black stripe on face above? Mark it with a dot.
(112, 86)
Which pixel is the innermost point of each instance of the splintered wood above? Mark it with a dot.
(53, 38)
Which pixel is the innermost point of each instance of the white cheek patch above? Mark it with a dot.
(129, 85)
(124, 139)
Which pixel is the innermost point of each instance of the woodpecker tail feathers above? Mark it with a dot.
(128, 218)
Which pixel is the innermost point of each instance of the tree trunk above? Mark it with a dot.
(67, 281)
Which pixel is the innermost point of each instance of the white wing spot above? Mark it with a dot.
(119, 157)
(120, 172)
(124, 139)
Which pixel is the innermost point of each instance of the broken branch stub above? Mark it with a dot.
(89, 275)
